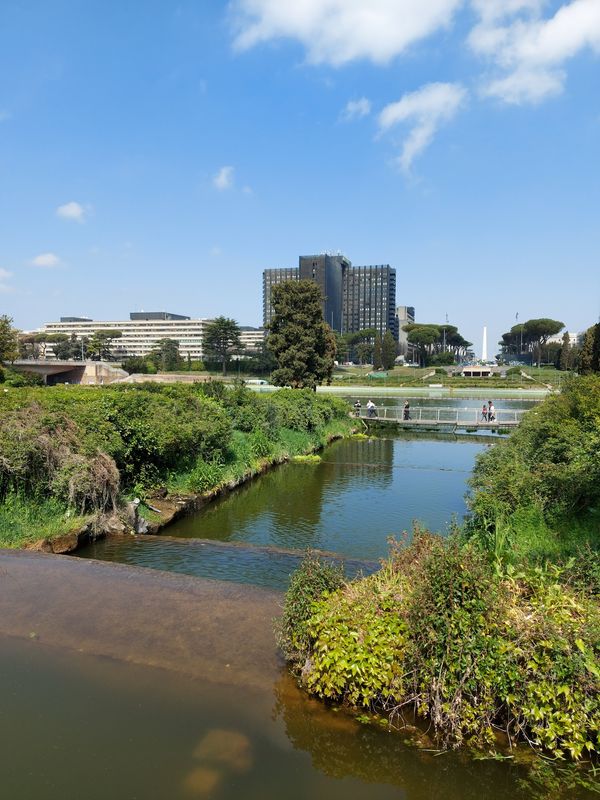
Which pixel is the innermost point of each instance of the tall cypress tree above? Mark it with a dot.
(378, 353)
(589, 357)
(299, 338)
(564, 361)
(388, 351)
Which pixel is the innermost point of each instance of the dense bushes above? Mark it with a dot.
(440, 633)
(544, 479)
(80, 445)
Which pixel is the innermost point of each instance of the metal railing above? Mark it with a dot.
(442, 416)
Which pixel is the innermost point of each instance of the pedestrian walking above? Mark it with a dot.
(406, 412)
(371, 409)
(484, 413)
(357, 408)
(491, 412)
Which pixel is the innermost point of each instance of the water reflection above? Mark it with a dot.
(361, 493)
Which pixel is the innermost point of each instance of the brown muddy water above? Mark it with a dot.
(128, 683)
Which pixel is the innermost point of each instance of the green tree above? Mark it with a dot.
(423, 337)
(9, 340)
(538, 331)
(300, 339)
(378, 353)
(165, 355)
(222, 338)
(565, 359)
(388, 350)
(100, 344)
(364, 351)
(589, 357)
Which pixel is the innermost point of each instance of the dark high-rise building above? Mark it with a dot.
(271, 277)
(370, 299)
(354, 298)
(328, 273)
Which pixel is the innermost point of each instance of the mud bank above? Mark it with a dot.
(169, 507)
(142, 616)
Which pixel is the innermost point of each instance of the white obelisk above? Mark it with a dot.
(484, 356)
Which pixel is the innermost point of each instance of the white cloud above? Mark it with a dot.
(426, 109)
(529, 50)
(356, 109)
(5, 274)
(338, 31)
(224, 179)
(46, 260)
(72, 211)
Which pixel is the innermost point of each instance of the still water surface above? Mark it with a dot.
(362, 492)
(74, 726)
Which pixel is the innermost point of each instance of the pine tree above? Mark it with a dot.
(299, 338)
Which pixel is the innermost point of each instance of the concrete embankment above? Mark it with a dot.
(142, 616)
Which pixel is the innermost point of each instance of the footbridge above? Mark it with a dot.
(428, 418)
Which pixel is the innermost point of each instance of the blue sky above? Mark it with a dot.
(161, 155)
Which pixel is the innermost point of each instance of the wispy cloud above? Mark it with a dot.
(530, 51)
(224, 178)
(72, 211)
(338, 31)
(46, 261)
(356, 109)
(425, 111)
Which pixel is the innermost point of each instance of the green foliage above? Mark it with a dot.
(300, 340)
(205, 475)
(78, 445)
(469, 648)
(137, 365)
(165, 355)
(312, 580)
(589, 357)
(378, 353)
(222, 338)
(9, 341)
(546, 476)
(389, 351)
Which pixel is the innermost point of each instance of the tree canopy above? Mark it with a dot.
(165, 355)
(430, 341)
(222, 338)
(9, 341)
(299, 338)
(529, 337)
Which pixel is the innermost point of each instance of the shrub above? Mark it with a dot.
(441, 632)
(313, 580)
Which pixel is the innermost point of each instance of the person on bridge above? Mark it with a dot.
(357, 408)
(371, 409)
(484, 413)
(491, 412)
(406, 412)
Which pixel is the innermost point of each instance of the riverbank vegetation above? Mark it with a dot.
(73, 452)
(491, 636)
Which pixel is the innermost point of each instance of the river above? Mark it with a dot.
(124, 682)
